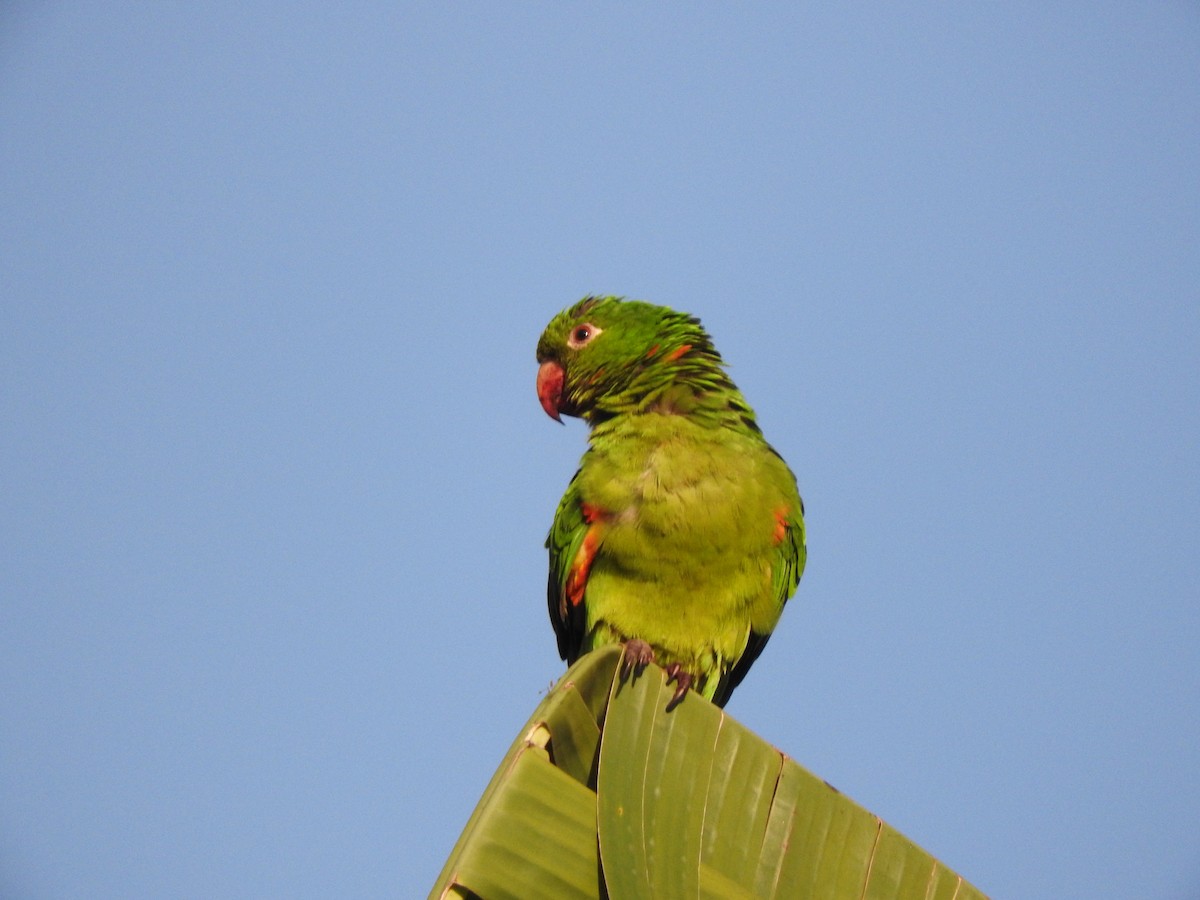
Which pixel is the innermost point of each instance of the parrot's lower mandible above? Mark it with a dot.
(682, 534)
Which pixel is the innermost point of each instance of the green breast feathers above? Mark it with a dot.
(682, 534)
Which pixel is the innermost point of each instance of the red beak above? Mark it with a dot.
(549, 387)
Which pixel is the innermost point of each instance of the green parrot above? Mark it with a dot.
(682, 534)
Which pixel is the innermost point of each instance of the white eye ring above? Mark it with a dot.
(582, 334)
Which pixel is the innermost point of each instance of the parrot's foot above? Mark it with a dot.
(636, 656)
(683, 681)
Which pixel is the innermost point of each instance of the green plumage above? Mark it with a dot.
(683, 528)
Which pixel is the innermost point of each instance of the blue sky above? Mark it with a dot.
(276, 482)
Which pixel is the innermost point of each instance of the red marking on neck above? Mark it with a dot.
(678, 352)
(653, 350)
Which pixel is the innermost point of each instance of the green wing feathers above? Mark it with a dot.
(790, 557)
(564, 542)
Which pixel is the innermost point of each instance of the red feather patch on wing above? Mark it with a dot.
(582, 563)
(781, 524)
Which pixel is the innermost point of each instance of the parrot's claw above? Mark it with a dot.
(683, 681)
(636, 656)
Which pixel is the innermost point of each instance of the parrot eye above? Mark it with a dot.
(582, 334)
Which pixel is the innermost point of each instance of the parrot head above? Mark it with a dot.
(607, 355)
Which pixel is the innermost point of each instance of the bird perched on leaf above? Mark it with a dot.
(682, 534)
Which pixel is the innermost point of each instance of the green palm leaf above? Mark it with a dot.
(605, 793)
